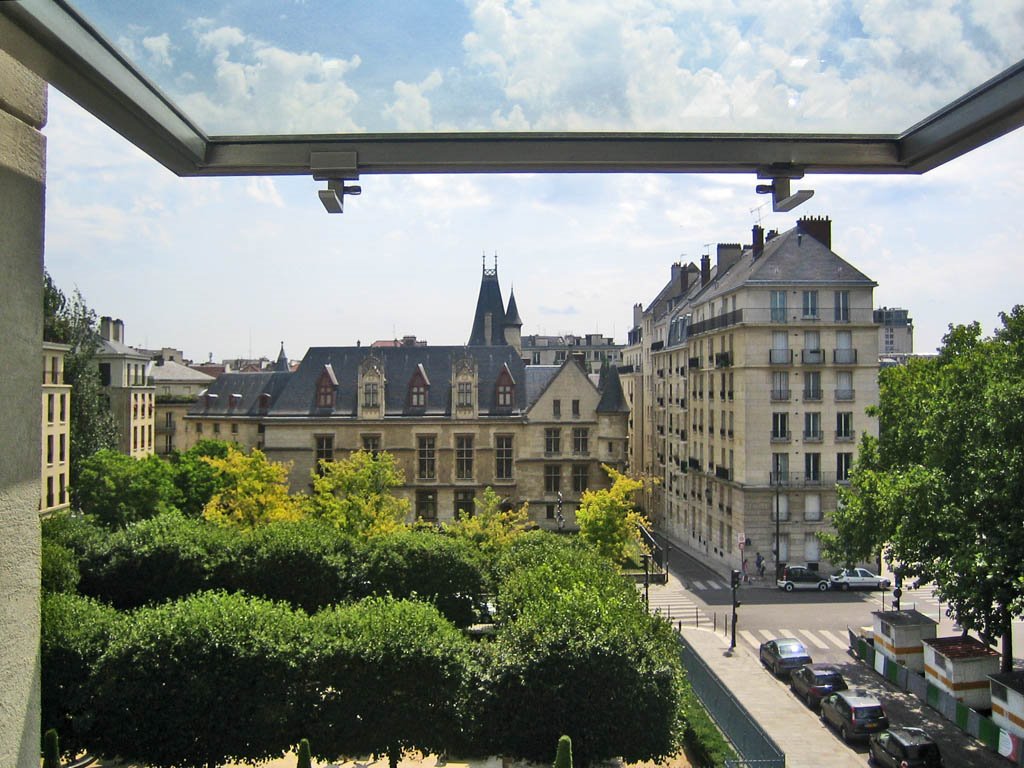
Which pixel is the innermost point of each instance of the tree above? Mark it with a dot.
(563, 756)
(608, 519)
(116, 489)
(492, 526)
(254, 491)
(390, 676)
(942, 494)
(196, 479)
(72, 322)
(355, 494)
(198, 682)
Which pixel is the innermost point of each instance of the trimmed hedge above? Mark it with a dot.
(59, 571)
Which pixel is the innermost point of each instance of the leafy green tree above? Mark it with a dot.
(254, 491)
(355, 494)
(199, 682)
(80, 534)
(390, 677)
(303, 755)
(74, 633)
(941, 495)
(608, 519)
(197, 480)
(563, 756)
(59, 568)
(72, 322)
(115, 489)
(492, 527)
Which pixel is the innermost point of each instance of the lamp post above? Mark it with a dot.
(647, 579)
(777, 550)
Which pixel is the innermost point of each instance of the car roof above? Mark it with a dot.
(910, 735)
(823, 667)
(858, 697)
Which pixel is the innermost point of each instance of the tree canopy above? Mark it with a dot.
(940, 494)
(607, 518)
(254, 490)
(355, 493)
(117, 489)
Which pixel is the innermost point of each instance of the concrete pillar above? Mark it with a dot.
(22, 196)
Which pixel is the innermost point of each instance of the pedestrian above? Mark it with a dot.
(746, 576)
(759, 565)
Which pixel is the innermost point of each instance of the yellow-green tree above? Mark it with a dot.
(490, 528)
(355, 494)
(607, 518)
(254, 492)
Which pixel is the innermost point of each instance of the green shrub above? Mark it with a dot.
(78, 533)
(202, 681)
(74, 633)
(304, 761)
(163, 558)
(117, 490)
(196, 480)
(563, 757)
(51, 749)
(705, 744)
(59, 568)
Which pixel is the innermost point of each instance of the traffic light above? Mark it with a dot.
(735, 579)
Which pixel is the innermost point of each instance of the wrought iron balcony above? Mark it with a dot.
(844, 356)
(813, 436)
(812, 395)
(844, 395)
(780, 394)
(780, 356)
(723, 359)
(781, 437)
(812, 356)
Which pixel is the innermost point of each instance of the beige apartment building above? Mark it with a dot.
(753, 376)
(456, 418)
(594, 349)
(56, 443)
(125, 379)
(177, 387)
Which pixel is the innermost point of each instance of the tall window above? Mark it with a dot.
(63, 408)
(778, 306)
(780, 426)
(780, 468)
(581, 441)
(371, 394)
(812, 385)
(371, 444)
(575, 409)
(50, 399)
(464, 506)
(779, 354)
(556, 409)
(812, 425)
(781, 547)
(780, 506)
(844, 425)
(426, 465)
(324, 449)
(426, 505)
(465, 394)
(812, 547)
(780, 385)
(418, 395)
(812, 467)
(62, 453)
(812, 507)
(464, 457)
(503, 457)
(844, 385)
(580, 479)
(49, 449)
(552, 441)
(810, 304)
(844, 461)
(842, 306)
(552, 478)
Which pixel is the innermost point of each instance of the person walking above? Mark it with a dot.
(759, 565)
(746, 576)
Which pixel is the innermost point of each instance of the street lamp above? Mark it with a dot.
(777, 550)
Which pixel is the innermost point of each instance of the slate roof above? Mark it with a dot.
(249, 385)
(512, 313)
(537, 379)
(400, 364)
(106, 347)
(170, 371)
(613, 399)
(490, 302)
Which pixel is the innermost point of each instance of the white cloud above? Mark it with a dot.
(410, 111)
(263, 190)
(159, 49)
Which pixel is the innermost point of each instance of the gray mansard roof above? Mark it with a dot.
(238, 394)
(400, 365)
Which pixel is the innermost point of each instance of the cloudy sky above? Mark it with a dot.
(232, 266)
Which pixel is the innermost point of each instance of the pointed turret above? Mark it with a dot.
(613, 399)
(489, 319)
(513, 324)
(282, 360)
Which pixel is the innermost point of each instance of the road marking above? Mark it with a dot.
(834, 638)
(767, 634)
(813, 638)
(747, 635)
(697, 584)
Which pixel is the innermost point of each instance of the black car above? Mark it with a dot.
(783, 655)
(854, 712)
(813, 682)
(904, 748)
(802, 577)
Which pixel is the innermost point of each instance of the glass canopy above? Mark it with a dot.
(781, 88)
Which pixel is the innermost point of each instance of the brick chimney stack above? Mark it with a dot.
(758, 242)
(818, 227)
(705, 269)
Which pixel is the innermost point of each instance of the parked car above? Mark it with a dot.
(783, 655)
(858, 578)
(802, 577)
(854, 712)
(813, 682)
(904, 748)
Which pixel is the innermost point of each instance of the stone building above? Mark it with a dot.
(56, 443)
(596, 350)
(177, 387)
(456, 418)
(748, 381)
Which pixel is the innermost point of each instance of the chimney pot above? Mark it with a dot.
(705, 269)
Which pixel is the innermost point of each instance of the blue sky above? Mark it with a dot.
(225, 266)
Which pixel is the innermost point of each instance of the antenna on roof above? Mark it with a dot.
(756, 213)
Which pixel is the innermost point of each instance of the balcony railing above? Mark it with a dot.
(719, 321)
(723, 359)
(694, 362)
(844, 356)
(780, 356)
(812, 356)
(803, 479)
(845, 436)
(723, 473)
(781, 437)
(778, 315)
(813, 395)
(780, 394)
(812, 436)
(844, 395)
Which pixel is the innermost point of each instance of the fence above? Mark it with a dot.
(754, 745)
(980, 727)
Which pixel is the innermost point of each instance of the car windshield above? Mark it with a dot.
(869, 713)
(791, 649)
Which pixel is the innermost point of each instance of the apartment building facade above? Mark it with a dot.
(594, 349)
(56, 431)
(753, 375)
(124, 374)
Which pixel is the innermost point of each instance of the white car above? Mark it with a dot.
(858, 578)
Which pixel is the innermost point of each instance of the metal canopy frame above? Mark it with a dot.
(50, 38)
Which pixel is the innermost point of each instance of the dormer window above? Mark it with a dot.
(234, 401)
(465, 394)
(371, 394)
(326, 387)
(264, 402)
(505, 388)
(418, 386)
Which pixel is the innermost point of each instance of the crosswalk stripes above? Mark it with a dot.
(710, 584)
(814, 639)
(821, 639)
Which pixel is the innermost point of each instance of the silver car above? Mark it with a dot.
(858, 578)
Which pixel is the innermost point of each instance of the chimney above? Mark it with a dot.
(677, 268)
(818, 227)
(105, 322)
(705, 270)
(728, 255)
(638, 314)
(758, 241)
(119, 330)
(772, 234)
